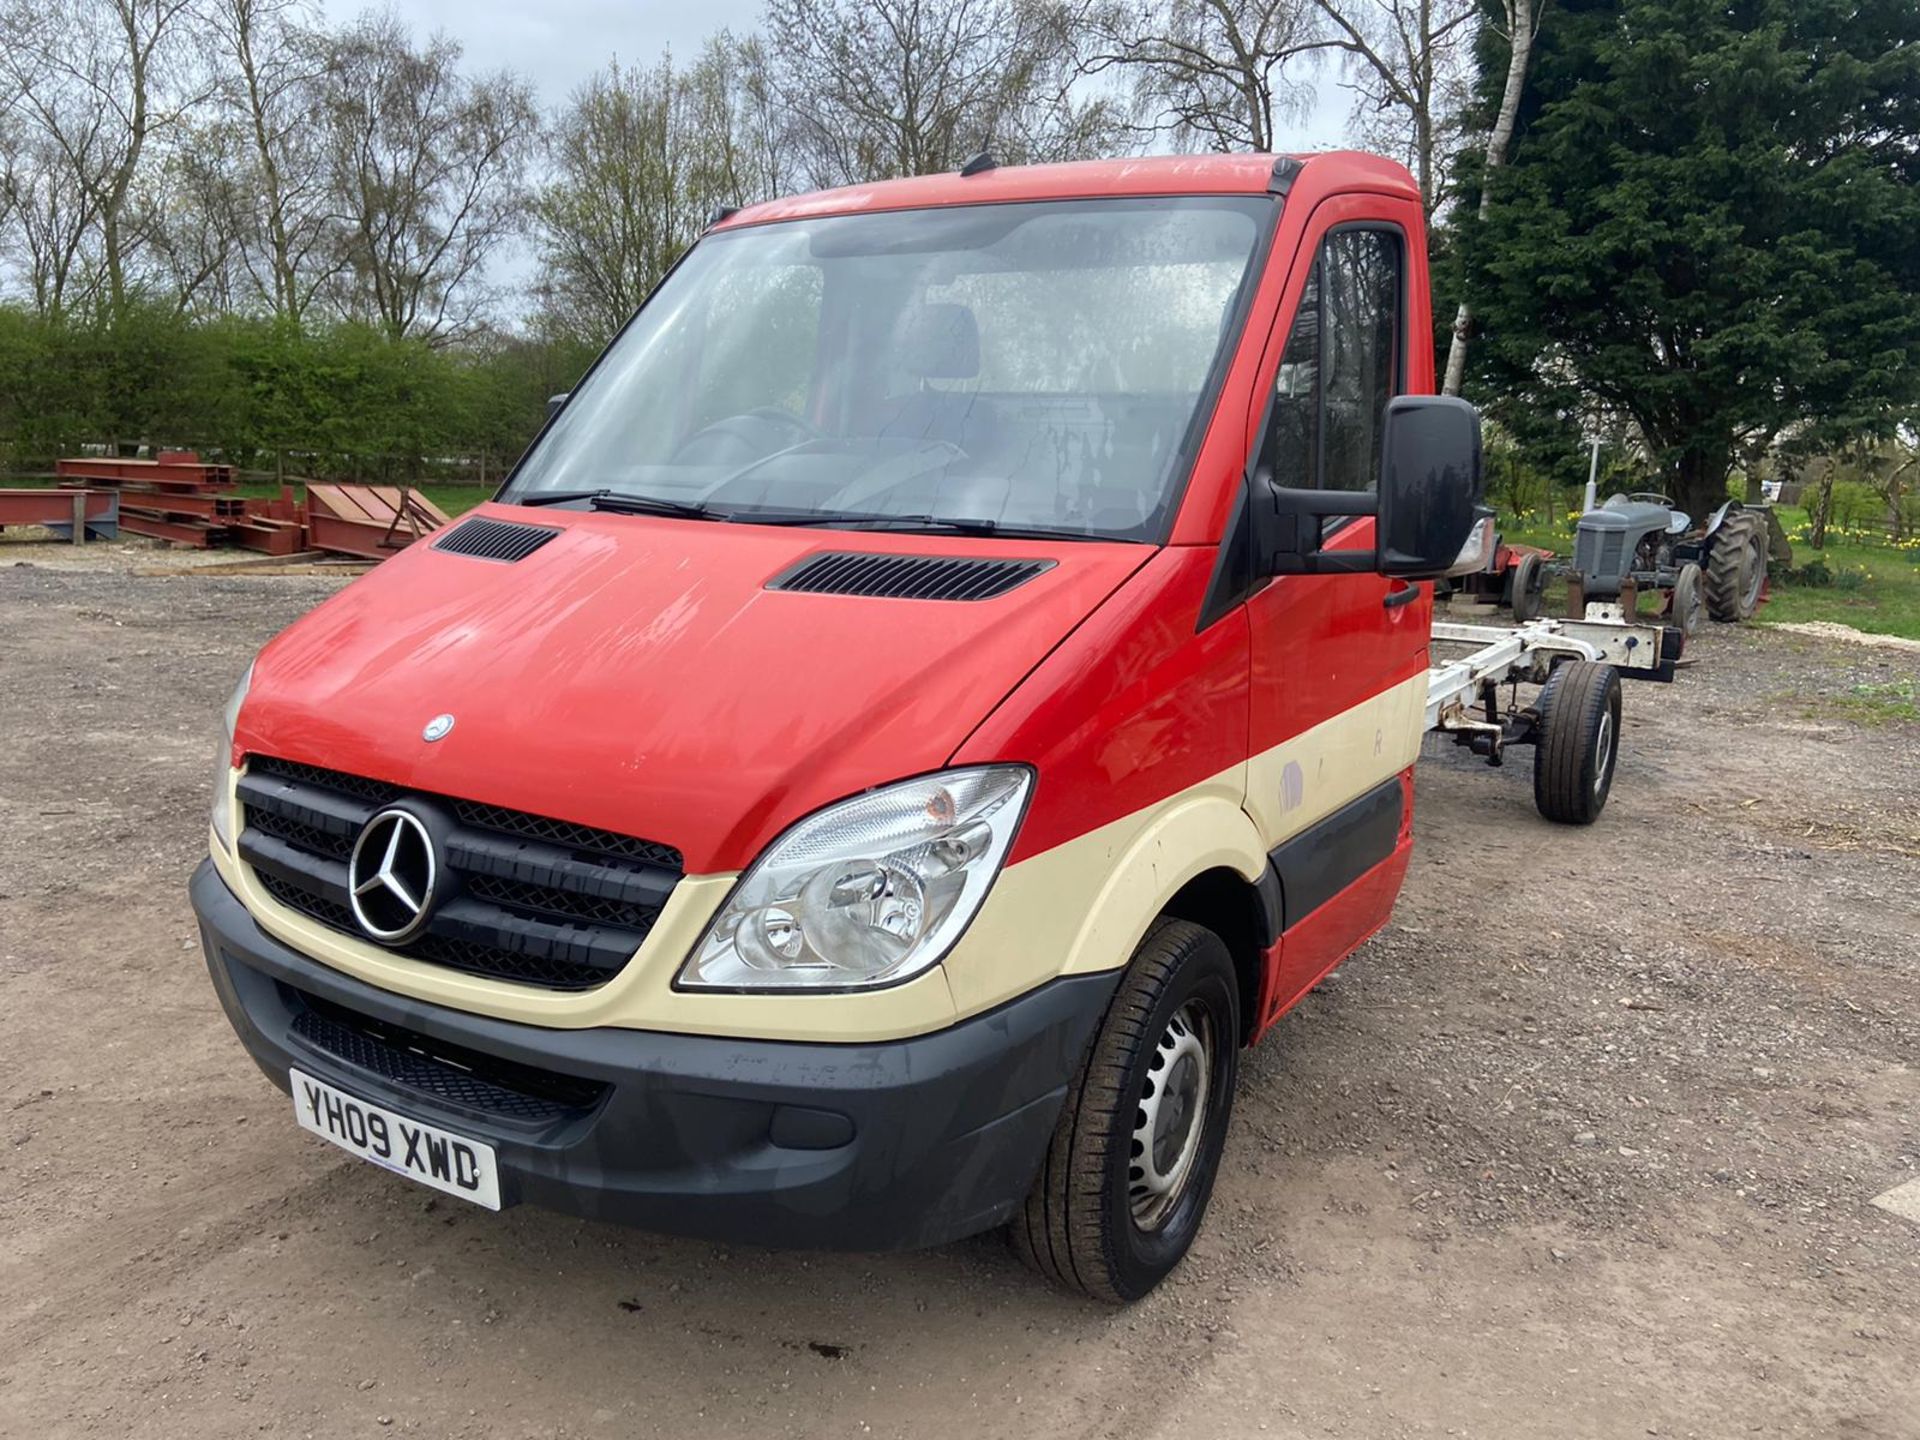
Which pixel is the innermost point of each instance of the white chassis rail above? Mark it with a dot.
(1526, 652)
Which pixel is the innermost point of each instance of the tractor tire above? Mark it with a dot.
(1686, 609)
(1529, 581)
(1128, 1173)
(1579, 742)
(1736, 567)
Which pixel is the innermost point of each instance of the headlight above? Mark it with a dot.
(867, 892)
(222, 812)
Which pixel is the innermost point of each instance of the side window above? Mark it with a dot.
(1340, 367)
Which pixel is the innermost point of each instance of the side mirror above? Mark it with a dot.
(1425, 507)
(554, 402)
(1430, 485)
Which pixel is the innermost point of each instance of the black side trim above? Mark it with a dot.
(1273, 906)
(1234, 576)
(1330, 855)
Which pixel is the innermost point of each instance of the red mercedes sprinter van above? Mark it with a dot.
(948, 677)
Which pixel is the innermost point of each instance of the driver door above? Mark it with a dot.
(1338, 692)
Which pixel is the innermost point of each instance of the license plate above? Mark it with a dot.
(448, 1162)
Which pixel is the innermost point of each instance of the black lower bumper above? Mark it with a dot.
(844, 1147)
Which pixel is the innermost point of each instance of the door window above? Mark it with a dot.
(1340, 367)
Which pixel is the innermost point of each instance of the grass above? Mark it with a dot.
(1886, 703)
(1861, 579)
(454, 499)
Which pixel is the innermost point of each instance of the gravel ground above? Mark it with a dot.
(1582, 1145)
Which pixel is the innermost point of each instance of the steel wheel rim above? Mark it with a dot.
(1603, 763)
(1170, 1116)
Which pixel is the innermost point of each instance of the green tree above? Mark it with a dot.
(1711, 225)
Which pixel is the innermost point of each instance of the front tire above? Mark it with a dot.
(1126, 1179)
(1686, 607)
(1529, 589)
(1578, 748)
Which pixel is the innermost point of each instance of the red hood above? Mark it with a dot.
(637, 675)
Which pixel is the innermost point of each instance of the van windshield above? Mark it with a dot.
(1015, 366)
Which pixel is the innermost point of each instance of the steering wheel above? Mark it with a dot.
(1653, 498)
(744, 438)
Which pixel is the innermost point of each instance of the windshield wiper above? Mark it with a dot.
(620, 502)
(906, 524)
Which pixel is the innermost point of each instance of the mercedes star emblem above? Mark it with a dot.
(437, 728)
(391, 875)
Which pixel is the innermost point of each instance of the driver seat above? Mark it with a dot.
(938, 341)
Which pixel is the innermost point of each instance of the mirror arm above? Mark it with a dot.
(1322, 503)
(1293, 520)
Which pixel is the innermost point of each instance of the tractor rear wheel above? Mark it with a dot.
(1578, 743)
(1736, 567)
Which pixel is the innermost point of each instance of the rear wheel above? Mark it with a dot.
(1736, 566)
(1126, 1180)
(1579, 742)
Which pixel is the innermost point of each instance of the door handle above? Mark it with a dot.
(1405, 595)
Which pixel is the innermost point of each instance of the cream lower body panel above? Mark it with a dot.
(1077, 908)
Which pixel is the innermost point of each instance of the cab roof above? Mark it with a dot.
(1245, 174)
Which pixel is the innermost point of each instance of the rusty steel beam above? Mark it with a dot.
(184, 503)
(153, 472)
(269, 537)
(196, 533)
(41, 507)
(370, 521)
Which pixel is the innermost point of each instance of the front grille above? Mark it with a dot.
(450, 1073)
(521, 897)
(1597, 553)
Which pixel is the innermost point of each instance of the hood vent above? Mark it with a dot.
(907, 577)
(503, 540)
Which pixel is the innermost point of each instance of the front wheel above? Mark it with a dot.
(1529, 589)
(1686, 608)
(1127, 1176)
(1578, 746)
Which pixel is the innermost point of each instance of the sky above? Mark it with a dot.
(557, 44)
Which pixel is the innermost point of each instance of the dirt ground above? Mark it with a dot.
(1582, 1145)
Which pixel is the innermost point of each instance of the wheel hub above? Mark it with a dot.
(1170, 1120)
(1603, 753)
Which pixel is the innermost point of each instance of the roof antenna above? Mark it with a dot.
(979, 164)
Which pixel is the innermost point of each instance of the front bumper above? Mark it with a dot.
(842, 1147)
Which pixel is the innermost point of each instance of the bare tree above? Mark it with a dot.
(1222, 74)
(639, 162)
(52, 220)
(733, 118)
(1409, 64)
(1522, 26)
(196, 216)
(876, 88)
(425, 167)
(103, 80)
(617, 211)
(280, 68)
